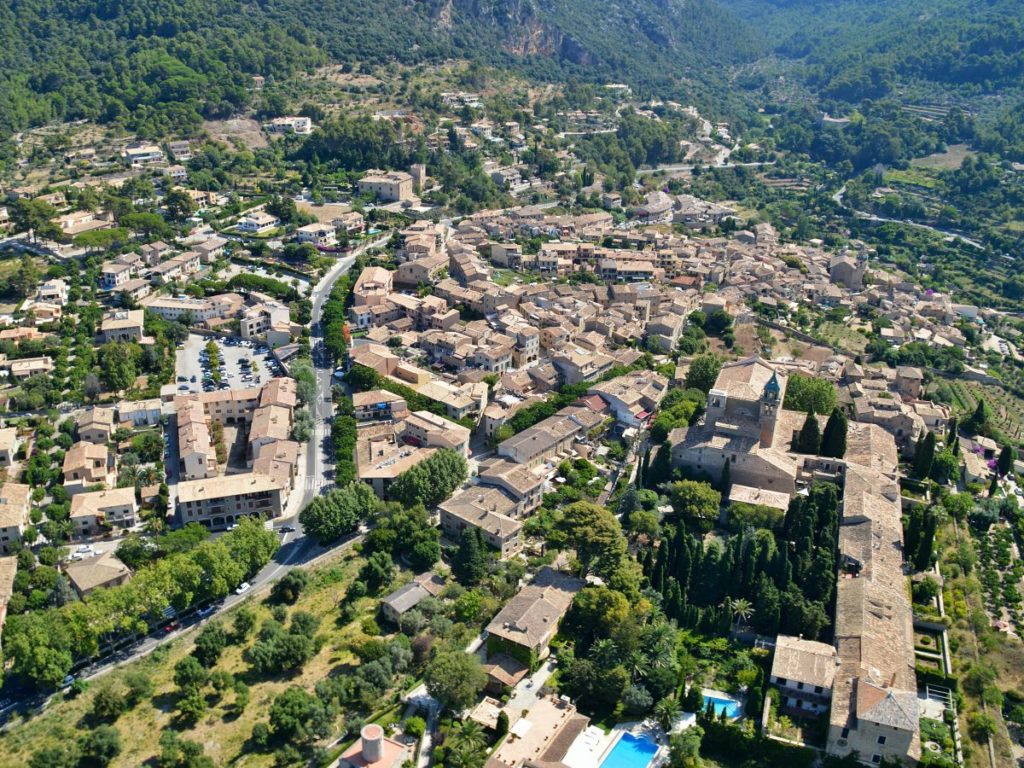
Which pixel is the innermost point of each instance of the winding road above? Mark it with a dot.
(839, 198)
(296, 550)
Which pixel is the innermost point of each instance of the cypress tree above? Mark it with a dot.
(993, 487)
(954, 436)
(833, 440)
(809, 440)
(924, 551)
(725, 482)
(470, 561)
(924, 456)
(1005, 462)
(660, 470)
(641, 475)
(912, 538)
(978, 423)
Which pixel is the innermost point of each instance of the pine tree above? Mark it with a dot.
(924, 456)
(809, 440)
(833, 440)
(725, 482)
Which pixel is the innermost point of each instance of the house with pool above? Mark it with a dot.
(552, 734)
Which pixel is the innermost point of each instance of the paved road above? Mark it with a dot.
(296, 549)
(839, 196)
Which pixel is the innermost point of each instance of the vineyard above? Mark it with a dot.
(1007, 410)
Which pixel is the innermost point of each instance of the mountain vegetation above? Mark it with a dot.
(160, 68)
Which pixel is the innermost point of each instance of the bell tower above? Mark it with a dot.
(769, 410)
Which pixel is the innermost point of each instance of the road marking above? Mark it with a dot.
(316, 483)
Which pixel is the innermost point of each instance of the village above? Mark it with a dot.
(570, 400)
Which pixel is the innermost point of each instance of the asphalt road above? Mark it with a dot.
(296, 550)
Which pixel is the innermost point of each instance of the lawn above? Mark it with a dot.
(222, 734)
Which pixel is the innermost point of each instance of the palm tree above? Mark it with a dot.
(666, 711)
(637, 665)
(149, 475)
(468, 737)
(604, 654)
(461, 757)
(741, 610)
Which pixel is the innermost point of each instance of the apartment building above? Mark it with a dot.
(92, 512)
(123, 325)
(221, 502)
(86, 464)
(378, 404)
(14, 514)
(96, 425)
(8, 446)
(488, 509)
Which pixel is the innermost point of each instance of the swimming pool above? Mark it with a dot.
(631, 752)
(731, 707)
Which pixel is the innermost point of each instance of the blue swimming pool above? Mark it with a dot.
(732, 708)
(631, 752)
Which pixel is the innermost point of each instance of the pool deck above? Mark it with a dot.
(647, 728)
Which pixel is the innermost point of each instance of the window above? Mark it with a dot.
(799, 686)
(817, 689)
(876, 759)
(781, 681)
(881, 740)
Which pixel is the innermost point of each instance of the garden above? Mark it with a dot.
(938, 748)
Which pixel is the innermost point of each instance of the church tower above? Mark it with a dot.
(769, 413)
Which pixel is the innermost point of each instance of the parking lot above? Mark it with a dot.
(194, 371)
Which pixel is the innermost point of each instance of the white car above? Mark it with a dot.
(244, 587)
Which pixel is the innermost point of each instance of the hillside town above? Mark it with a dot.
(580, 484)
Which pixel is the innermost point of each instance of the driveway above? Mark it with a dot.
(526, 694)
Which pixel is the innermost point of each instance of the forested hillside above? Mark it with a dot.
(158, 65)
(857, 49)
(161, 66)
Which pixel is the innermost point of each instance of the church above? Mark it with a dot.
(745, 426)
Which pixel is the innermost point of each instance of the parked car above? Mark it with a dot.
(244, 587)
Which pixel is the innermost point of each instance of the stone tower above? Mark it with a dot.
(769, 413)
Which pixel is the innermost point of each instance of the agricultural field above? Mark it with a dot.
(952, 158)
